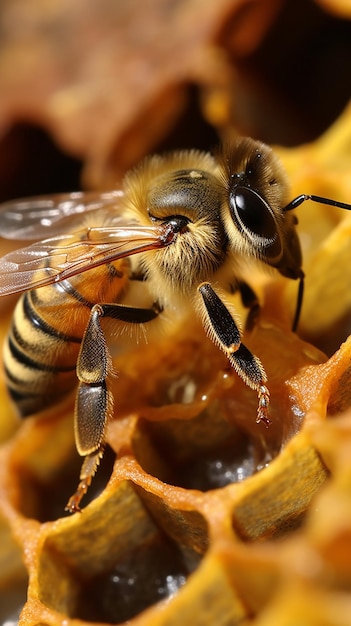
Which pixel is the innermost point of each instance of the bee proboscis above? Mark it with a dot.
(186, 224)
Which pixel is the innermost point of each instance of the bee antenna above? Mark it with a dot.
(293, 205)
(299, 302)
(303, 197)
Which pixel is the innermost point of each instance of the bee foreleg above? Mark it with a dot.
(224, 331)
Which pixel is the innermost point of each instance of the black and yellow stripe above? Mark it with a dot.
(40, 355)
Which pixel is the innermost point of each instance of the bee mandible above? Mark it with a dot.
(186, 224)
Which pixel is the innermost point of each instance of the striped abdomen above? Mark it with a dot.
(41, 350)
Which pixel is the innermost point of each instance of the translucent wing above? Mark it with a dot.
(60, 257)
(43, 216)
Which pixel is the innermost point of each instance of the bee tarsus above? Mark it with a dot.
(89, 467)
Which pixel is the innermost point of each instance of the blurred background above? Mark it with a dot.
(87, 88)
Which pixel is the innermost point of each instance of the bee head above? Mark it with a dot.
(254, 217)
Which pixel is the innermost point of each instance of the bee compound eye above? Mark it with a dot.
(255, 220)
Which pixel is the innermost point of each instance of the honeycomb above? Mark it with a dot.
(198, 514)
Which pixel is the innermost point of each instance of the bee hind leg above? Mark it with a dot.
(89, 467)
(93, 405)
(94, 402)
(224, 331)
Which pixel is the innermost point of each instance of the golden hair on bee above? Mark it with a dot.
(256, 165)
(181, 185)
(142, 181)
(253, 178)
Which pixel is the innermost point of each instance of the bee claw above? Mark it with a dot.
(263, 403)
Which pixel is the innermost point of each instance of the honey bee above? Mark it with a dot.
(186, 224)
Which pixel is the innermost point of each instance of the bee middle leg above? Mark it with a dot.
(94, 402)
(250, 301)
(224, 331)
